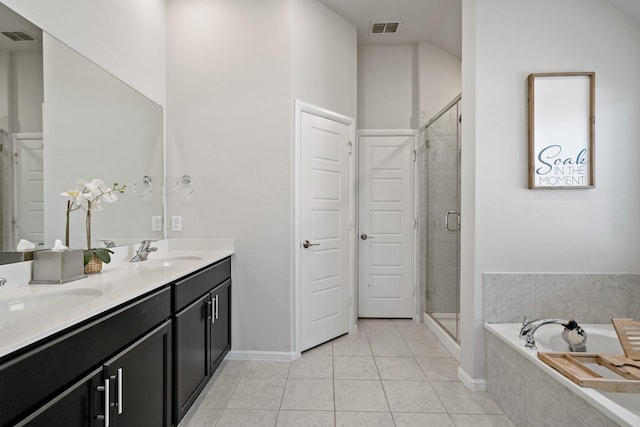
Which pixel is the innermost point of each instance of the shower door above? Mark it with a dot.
(443, 220)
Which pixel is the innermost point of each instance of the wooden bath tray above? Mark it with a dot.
(572, 366)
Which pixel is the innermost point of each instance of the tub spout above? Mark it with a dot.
(573, 334)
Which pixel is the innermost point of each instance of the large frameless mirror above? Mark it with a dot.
(62, 118)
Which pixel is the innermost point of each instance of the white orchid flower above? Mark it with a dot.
(100, 191)
(75, 197)
(94, 192)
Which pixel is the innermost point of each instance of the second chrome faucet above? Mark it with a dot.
(143, 251)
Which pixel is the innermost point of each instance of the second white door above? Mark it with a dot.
(386, 275)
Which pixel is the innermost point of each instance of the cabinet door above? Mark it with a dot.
(140, 379)
(191, 355)
(80, 405)
(221, 323)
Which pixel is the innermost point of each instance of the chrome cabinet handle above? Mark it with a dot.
(446, 220)
(364, 236)
(214, 309)
(210, 310)
(307, 243)
(120, 379)
(107, 403)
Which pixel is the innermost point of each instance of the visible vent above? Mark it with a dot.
(19, 36)
(384, 27)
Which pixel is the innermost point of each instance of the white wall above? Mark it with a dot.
(323, 63)
(440, 79)
(230, 98)
(229, 127)
(519, 230)
(387, 87)
(125, 37)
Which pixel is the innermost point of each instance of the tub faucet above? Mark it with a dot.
(573, 334)
(143, 251)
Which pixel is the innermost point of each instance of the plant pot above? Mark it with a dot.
(94, 265)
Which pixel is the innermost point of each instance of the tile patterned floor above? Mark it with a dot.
(389, 373)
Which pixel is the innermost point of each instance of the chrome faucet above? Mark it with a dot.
(108, 243)
(143, 251)
(573, 334)
(3, 281)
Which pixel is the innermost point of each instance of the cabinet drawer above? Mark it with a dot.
(27, 380)
(193, 287)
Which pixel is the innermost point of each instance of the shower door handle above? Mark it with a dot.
(446, 220)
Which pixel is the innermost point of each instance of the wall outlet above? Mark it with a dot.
(176, 223)
(156, 223)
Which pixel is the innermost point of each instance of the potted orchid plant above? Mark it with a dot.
(89, 196)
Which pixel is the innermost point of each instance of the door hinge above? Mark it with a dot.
(415, 224)
(349, 147)
(415, 155)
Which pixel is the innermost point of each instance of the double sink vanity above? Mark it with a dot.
(133, 345)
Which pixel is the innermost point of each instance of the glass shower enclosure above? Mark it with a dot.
(441, 215)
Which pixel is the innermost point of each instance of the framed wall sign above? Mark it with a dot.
(561, 130)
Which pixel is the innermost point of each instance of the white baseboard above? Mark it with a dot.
(442, 336)
(472, 384)
(277, 356)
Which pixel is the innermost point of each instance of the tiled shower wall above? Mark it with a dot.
(588, 298)
(438, 176)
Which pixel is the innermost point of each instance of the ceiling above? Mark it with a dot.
(435, 21)
(11, 21)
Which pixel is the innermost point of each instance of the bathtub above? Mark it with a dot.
(509, 361)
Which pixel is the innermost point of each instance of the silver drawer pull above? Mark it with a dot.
(107, 404)
(120, 397)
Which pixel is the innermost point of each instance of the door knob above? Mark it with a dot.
(364, 236)
(306, 244)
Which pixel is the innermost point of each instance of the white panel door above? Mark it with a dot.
(324, 226)
(386, 277)
(29, 188)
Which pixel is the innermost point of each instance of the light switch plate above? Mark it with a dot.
(176, 223)
(156, 223)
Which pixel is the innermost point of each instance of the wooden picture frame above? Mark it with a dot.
(561, 130)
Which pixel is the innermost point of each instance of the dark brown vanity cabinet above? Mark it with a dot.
(202, 330)
(141, 364)
(120, 361)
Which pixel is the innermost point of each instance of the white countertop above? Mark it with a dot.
(29, 313)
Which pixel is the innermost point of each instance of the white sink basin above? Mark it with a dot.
(41, 304)
(168, 261)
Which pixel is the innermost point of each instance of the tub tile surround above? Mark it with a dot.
(529, 398)
(588, 298)
(514, 381)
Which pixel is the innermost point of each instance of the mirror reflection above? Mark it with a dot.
(63, 118)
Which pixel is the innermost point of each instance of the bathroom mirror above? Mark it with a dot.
(82, 122)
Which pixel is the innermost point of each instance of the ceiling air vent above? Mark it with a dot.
(19, 36)
(384, 27)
